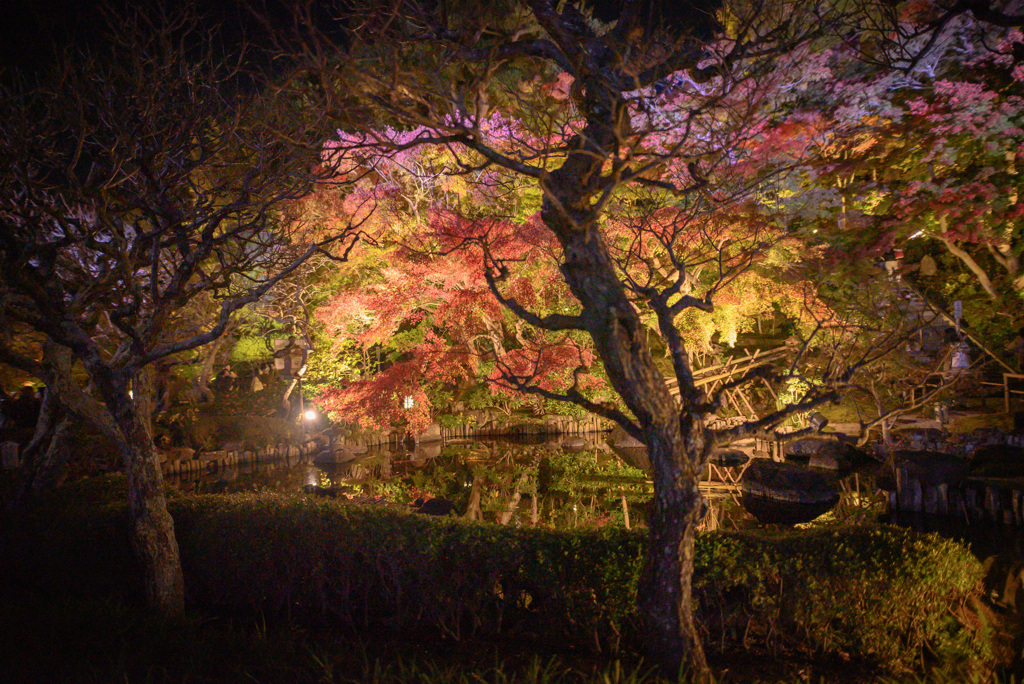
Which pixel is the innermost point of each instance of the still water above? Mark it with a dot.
(544, 482)
(567, 485)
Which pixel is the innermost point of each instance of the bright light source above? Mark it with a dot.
(408, 402)
(310, 415)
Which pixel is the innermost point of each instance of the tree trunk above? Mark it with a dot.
(144, 398)
(201, 383)
(670, 635)
(666, 603)
(975, 268)
(46, 456)
(152, 529)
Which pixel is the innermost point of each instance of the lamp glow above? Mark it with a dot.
(310, 415)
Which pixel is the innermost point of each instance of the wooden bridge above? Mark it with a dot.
(715, 375)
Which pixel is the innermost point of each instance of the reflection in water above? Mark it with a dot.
(559, 483)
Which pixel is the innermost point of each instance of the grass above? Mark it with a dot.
(108, 640)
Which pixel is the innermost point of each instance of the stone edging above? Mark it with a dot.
(212, 461)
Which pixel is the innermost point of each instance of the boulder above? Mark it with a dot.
(431, 434)
(621, 438)
(629, 449)
(175, 454)
(336, 455)
(788, 482)
(826, 461)
(574, 443)
(235, 445)
(728, 458)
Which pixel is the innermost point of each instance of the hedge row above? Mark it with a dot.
(884, 596)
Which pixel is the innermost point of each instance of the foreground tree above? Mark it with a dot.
(415, 317)
(684, 175)
(134, 182)
(658, 135)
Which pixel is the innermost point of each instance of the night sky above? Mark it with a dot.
(31, 31)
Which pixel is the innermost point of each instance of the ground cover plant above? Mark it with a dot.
(884, 600)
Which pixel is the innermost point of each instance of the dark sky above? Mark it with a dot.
(29, 29)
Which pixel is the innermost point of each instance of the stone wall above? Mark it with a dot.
(187, 461)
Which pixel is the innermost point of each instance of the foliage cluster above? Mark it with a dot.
(883, 597)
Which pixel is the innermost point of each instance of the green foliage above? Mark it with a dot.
(884, 597)
(873, 592)
(251, 349)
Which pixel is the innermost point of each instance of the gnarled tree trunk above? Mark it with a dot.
(152, 529)
(45, 457)
(673, 434)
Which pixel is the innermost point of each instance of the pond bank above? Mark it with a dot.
(316, 562)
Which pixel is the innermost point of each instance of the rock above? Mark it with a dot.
(630, 450)
(774, 512)
(175, 454)
(336, 455)
(728, 458)
(621, 438)
(919, 439)
(788, 482)
(574, 443)
(435, 507)
(431, 434)
(826, 461)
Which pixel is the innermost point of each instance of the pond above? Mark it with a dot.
(573, 483)
(551, 482)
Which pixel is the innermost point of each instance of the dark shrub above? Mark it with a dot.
(886, 597)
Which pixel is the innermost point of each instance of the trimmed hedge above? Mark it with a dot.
(884, 596)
